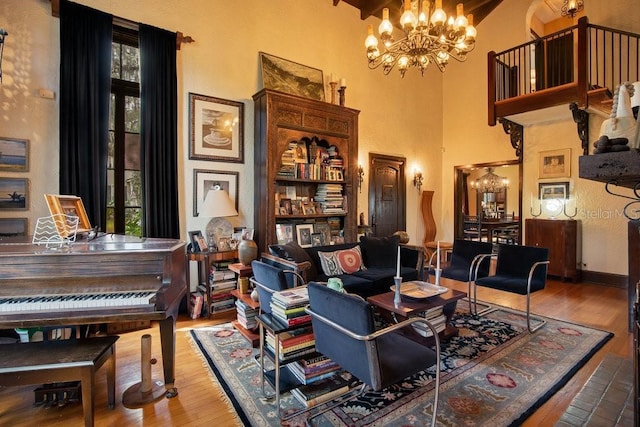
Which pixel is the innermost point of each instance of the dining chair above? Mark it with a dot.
(472, 228)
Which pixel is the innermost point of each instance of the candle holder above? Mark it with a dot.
(396, 296)
(438, 271)
(333, 91)
(341, 92)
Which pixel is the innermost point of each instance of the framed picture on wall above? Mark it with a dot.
(216, 129)
(553, 190)
(291, 77)
(555, 164)
(14, 154)
(14, 194)
(205, 180)
(10, 227)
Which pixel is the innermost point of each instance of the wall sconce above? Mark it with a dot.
(417, 179)
(3, 34)
(360, 177)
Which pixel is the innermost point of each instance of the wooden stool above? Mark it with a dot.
(445, 251)
(59, 361)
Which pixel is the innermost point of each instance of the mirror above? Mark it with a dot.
(492, 205)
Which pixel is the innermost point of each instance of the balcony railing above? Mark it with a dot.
(575, 64)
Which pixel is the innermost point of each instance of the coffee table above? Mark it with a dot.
(406, 309)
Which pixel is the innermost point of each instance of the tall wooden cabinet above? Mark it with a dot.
(560, 237)
(284, 125)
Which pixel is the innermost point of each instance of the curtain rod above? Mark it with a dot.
(126, 23)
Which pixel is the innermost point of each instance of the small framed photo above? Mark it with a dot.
(555, 164)
(308, 208)
(303, 233)
(198, 244)
(224, 244)
(553, 190)
(15, 194)
(14, 154)
(247, 234)
(324, 230)
(316, 239)
(285, 206)
(216, 129)
(301, 153)
(11, 227)
(284, 233)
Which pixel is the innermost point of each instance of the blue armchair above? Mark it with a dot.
(344, 331)
(269, 279)
(521, 270)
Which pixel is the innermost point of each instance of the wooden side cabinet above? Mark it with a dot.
(560, 237)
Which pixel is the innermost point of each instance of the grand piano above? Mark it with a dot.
(112, 278)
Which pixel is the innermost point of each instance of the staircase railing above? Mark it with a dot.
(561, 68)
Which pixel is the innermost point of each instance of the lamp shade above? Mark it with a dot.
(217, 203)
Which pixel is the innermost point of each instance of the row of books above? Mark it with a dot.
(288, 306)
(321, 391)
(436, 317)
(246, 315)
(311, 369)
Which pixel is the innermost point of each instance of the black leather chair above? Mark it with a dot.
(521, 270)
(470, 260)
(344, 331)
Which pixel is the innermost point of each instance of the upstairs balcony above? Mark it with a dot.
(579, 65)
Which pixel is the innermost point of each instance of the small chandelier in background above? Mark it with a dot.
(571, 7)
(3, 34)
(490, 183)
(429, 37)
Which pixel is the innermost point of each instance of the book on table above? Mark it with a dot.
(294, 297)
(321, 391)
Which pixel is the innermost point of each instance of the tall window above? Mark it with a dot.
(124, 180)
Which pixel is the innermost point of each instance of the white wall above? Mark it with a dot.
(399, 117)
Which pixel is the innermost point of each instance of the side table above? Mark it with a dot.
(204, 260)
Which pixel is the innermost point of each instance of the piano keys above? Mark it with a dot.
(112, 278)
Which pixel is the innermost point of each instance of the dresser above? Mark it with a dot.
(560, 237)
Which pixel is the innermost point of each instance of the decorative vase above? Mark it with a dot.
(427, 217)
(247, 251)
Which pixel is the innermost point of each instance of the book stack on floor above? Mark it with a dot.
(321, 391)
(436, 317)
(314, 368)
(246, 315)
(292, 344)
(223, 281)
(197, 302)
(288, 307)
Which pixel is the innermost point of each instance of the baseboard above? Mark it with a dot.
(607, 279)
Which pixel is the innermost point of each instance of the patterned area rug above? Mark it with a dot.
(494, 374)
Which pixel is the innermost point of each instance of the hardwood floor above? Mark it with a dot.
(201, 402)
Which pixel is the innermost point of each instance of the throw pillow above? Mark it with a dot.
(330, 264)
(350, 260)
(380, 252)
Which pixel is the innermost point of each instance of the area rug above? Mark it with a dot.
(494, 374)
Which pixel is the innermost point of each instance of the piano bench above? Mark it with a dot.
(59, 361)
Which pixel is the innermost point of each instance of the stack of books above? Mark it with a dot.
(246, 315)
(288, 306)
(330, 198)
(321, 391)
(292, 344)
(287, 166)
(436, 317)
(314, 368)
(197, 302)
(223, 281)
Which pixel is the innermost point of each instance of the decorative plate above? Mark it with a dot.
(418, 291)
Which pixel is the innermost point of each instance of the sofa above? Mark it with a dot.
(366, 267)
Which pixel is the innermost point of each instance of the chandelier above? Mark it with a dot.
(490, 183)
(429, 37)
(571, 7)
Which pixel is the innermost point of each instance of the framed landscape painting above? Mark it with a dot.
(553, 190)
(216, 129)
(14, 154)
(555, 164)
(14, 194)
(10, 227)
(291, 77)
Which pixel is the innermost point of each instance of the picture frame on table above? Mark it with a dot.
(216, 129)
(290, 77)
(316, 239)
(69, 205)
(198, 244)
(205, 180)
(555, 164)
(14, 227)
(303, 234)
(15, 194)
(324, 230)
(247, 234)
(553, 190)
(14, 154)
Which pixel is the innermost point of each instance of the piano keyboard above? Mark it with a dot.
(84, 301)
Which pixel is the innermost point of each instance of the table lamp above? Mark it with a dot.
(217, 205)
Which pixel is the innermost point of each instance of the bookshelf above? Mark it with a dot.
(306, 157)
(216, 296)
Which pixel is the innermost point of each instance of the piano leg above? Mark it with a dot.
(168, 343)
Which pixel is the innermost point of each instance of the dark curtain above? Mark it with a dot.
(560, 60)
(159, 131)
(539, 64)
(85, 67)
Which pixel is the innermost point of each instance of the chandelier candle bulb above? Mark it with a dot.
(343, 82)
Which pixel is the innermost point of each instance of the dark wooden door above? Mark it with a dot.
(386, 194)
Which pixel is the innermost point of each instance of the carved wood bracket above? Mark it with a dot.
(581, 118)
(516, 133)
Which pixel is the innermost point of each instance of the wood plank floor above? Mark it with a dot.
(201, 402)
